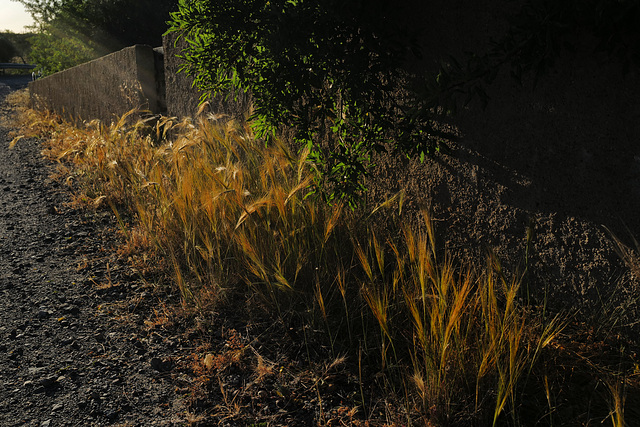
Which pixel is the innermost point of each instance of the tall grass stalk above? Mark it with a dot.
(228, 212)
(469, 342)
(617, 402)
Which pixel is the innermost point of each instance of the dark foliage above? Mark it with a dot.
(70, 32)
(7, 50)
(113, 24)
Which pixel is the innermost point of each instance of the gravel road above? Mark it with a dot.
(76, 345)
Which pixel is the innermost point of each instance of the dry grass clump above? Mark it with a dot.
(229, 214)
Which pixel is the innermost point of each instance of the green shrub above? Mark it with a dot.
(326, 68)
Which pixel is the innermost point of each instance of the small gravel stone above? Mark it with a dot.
(160, 365)
(43, 314)
(48, 382)
(36, 371)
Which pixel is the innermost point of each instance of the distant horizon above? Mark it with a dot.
(14, 17)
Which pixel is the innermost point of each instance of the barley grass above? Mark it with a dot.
(230, 214)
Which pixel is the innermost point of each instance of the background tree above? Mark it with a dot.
(21, 43)
(55, 50)
(7, 50)
(69, 32)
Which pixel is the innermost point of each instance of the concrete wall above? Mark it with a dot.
(105, 88)
(183, 99)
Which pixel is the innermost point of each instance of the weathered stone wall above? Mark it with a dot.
(104, 88)
(135, 77)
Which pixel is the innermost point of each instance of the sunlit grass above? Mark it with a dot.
(229, 214)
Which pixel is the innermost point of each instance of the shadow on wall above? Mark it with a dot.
(562, 158)
(570, 146)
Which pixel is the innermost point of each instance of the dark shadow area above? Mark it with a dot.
(568, 146)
